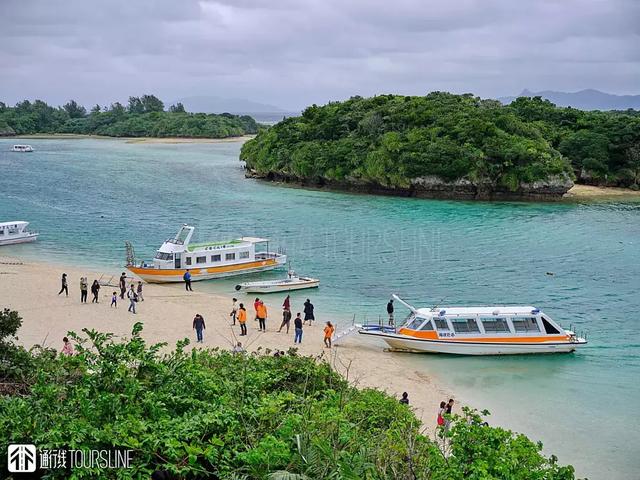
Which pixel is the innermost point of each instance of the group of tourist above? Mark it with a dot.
(133, 294)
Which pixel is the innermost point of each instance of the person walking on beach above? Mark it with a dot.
(67, 348)
(261, 313)
(64, 288)
(328, 334)
(405, 398)
(308, 312)
(286, 320)
(441, 413)
(139, 292)
(198, 326)
(297, 324)
(84, 287)
(234, 311)
(95, 289)
(390, 311)
(286, 305)
(123, 285)
(187, 281)
(256, 302)
(114, 299)
(133, 298)
(242, 319)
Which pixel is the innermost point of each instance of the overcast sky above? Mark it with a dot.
(292, 53)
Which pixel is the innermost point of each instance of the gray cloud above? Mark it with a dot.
(293, 53)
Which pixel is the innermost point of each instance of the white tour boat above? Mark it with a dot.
(292, 282)
(16, 232)
(205, 260)
(499, 330)
(22, 148)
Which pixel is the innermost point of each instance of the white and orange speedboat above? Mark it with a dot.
(205, 260)
(499, 330)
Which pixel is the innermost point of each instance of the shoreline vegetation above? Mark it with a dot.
(163, 140)
(185, 411)
(143, 116)
(449, 146)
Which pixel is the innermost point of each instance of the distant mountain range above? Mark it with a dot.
(209, 104)
(584, 99)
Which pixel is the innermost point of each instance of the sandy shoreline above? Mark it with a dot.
(161, 140)
(593, 192)
(167, 313)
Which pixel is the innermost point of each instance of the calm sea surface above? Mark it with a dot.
(87, 197)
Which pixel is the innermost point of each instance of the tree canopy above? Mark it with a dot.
(143, 117)
(390, 140)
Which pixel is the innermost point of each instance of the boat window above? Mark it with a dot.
(230, 256)
(201, 259)
(548, 327)
(525, 324)
(187, 260)
(414, 322)
(244, 254)
(164, 256)
(215, 258)
(441, 324)
(465, 325)
(427, 326)
(495, 325)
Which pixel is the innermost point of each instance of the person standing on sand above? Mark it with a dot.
(441, 413)
(308, 312)
(390, 311)
(448, 409)
(123, 285)
(261, 313)
(256, 302)
(64, 288)
(84, 287)
(328, 333)
(242, 319)
(187, 281)
(139, 292)
(114, 300)
(95, 289)
(234, 311)
(405, 398)
(297, 324)
(286, 305)
(286, 319)
(199, 326)
(133, 298)
(67, 348)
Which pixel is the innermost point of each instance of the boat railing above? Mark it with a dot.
(371, 324)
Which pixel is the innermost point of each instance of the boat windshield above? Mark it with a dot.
(181, 236)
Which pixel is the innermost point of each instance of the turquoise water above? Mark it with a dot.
(87, 197)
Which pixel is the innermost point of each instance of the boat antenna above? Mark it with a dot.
(433, 309)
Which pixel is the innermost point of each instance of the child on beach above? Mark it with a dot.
(242, 320)
(328, 333)
(114, 299)
(139, 292)
(67, 348)
(405, 398)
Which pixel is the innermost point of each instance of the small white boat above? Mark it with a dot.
(16, 232)
(293, 282)
(494, 330)
(22, 148)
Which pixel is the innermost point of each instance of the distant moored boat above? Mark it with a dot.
(22, 148)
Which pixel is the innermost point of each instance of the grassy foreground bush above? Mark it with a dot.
(218, 415)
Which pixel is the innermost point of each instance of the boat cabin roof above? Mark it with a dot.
(17, 223)
(253, 239)
(489, 311)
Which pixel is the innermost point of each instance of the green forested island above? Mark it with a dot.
(211, 414)
(142, 117)
(446, 145)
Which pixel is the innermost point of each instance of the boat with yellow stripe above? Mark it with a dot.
(493, 330)
(205, 260)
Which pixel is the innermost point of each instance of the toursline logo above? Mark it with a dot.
(26, 458)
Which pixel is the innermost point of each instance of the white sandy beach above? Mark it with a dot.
(167, 314)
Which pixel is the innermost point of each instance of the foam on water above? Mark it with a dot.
(87, 197)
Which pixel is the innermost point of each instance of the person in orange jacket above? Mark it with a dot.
(242, 319)
(261, 313)
(328, 333)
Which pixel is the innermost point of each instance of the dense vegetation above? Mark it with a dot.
(218, 415)
(390, 140)
(143, 117)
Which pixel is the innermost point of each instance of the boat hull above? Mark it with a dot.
(25, 239)
(417, 345)
(275, 288)
(158, 275)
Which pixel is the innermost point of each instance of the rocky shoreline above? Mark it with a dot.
(551, 189)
